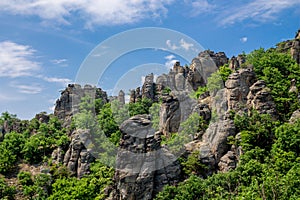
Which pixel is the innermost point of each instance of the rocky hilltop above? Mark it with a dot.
(140, 173)
(192, 133)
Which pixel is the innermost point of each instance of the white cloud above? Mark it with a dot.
(200, 6)
(170, 57)
(17, 60)
(187, 46)
(171, 46)
(170, 61)
(244, 39)
(63, 81)
(28, 89)
(59, 61)
(94, 12)
(182, 44)
(258, 10)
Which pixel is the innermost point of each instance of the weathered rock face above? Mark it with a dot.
(169, 115)
(242, 92)
(77, 158)
(219, 58)
(295, 50)
(148, 89)
(143, 167)
(16, 125)
(206, 63)
(291, 46)
(236, 62)
(182, 78)
(42, 117)
(227, 162)
(121, 97)
(260, 99)
(295, 116)
(238, 87)
(68, 103)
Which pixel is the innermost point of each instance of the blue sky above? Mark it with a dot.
(43, 43)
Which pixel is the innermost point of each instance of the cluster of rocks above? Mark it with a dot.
(237, 62)
(143, 165)
(68, 103)
(181, 78)
(291, 46)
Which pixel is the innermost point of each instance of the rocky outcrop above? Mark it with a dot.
(242, 92)
(295, 50)
(68, 103)
(238, 87)
(236, 62)
(42, 117)
(135, 95)
(121, 97)
(219, 58)
(292, 47)
(206, 63)
(227, 162)
(143, 166)
(77, 158)
(181, 78)
(295, 116)
(169, 115)
(148, 89)
(260, 99)
(11, 125)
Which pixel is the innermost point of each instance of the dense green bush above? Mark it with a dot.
(6, 192)
(277, 70)
(90, 187)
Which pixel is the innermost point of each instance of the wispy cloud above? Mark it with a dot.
(93, 12)
(9, 98)
(257, 10)
(28, 89)
(17, 60)
(61, 62)
(185, 45)
(63, 81)
(171, 46)
(199, 6)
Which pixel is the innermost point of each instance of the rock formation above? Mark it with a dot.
(68, 103)
(77, 158)
(148, 89)
(121, 97)
(143, 166)
(260, 99)
(238, 87)
(236, 62)
(291, 46)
